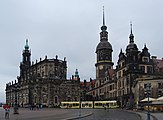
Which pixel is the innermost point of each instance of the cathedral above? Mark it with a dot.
(44, 82)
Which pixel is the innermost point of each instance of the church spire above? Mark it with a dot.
(103, 28)
(103, 17)
(131, 34)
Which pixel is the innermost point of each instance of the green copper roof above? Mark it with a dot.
(76, 72)
(26, 45)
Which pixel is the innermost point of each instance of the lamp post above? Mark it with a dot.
(148, 91)
(16, 86)
(80, 101)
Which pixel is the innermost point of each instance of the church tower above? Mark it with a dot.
(104, 53)
(26, 61)
(132, 53)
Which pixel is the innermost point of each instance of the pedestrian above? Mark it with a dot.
(7, 112)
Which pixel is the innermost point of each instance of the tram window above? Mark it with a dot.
(90, 105)
(75, 104)
(96, 104)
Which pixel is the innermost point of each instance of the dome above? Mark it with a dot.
(103, 45)
(132, 46)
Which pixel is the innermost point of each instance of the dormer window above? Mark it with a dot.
(145, 59)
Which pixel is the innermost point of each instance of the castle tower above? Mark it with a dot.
(132, 53)
(104, 53)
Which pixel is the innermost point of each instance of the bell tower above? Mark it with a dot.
(26, 54)
(104, 53)
(26, 61)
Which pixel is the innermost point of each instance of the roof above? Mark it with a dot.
(88, 83)
(104, 45)
(159, 63)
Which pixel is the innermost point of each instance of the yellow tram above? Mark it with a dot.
(89, 104)
(105, 104)
(74, 104)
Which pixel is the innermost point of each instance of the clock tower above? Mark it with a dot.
(104, 53)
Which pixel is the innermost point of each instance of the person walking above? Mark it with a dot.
(7, 112)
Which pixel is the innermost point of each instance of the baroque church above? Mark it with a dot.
(44, 82)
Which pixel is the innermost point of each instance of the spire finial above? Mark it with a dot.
(76, 72)
(131, 34)
(103, 17)
(26, 45)
(121, 50)
(103, 28)
(131, 26)
(26, 41)
(145, 46)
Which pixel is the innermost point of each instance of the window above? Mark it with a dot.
(160, 85)
(145, 59)
(110, 87)
(123, 64)
(119, 74)
(149, 69)
(142, 68)
(42, 73)
(123, 72)
(146, 86)
(38, 74)
(56, 99)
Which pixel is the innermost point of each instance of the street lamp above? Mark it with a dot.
(148, 91)
(80, 103)
(16, 88)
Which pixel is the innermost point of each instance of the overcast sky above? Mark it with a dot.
(70, 28)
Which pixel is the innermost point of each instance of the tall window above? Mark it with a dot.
(149, 69)
(142, 68)
(56, 99)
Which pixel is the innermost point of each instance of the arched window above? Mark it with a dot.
(56, 99)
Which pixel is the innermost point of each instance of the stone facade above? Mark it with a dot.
(134, 69)
(42, 83)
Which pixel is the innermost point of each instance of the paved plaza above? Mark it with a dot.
(81, 114)
(45, 114)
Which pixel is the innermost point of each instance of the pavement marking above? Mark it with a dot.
(78, 117)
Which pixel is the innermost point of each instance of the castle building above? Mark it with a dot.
(44, 82)
(134, 70)
(127, 83)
